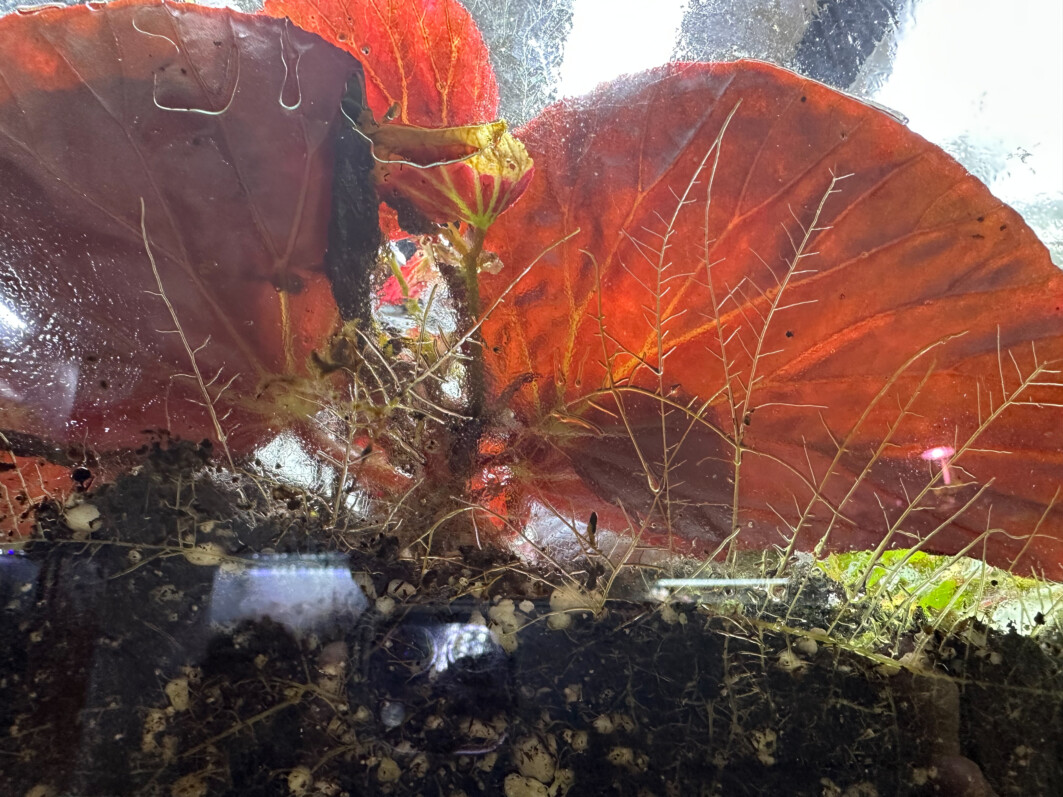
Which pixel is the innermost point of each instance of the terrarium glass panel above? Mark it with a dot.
(548, 397)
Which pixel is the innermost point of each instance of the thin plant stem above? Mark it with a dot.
(465, 290)
(474, 347)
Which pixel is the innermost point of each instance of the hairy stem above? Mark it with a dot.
(464, 285)
(474, 346)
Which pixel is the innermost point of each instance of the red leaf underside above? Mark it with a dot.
(760, 315)
(25, 482)
(221, 124)
(427, 56)
(775, 307)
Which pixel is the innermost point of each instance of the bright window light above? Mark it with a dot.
(617, 37)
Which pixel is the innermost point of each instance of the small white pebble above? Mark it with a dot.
(559, 622)
(155, 721)
(534, 759)
(564, 779)
(764, 744)
(624, 722)
(504, 616)
(579, 741)
(82, 519)
(519, 786)
(177, 691)
(604, 724)
(401, 589)
(365, 581)
(622, 757)
(388, 771)
(300, 780)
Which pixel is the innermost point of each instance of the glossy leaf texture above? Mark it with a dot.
(221, 124)
(782, 320)
(426, 56)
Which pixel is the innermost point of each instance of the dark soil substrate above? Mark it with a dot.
(113, 682)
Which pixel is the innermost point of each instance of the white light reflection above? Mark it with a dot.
(12, 326)
(617, 37)
(716, 583)
(301, 592)
(456, 641)
(285, 458)
(704, 588)
(1001, 114)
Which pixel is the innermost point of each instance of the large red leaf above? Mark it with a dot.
(425, 55)
(221, 124)
(778, 310)
(25, 482)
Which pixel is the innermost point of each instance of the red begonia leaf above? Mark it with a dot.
(221, 124)
(425, 55)
(25, 482)
(767, 329)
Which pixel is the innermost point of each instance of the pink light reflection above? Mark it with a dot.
(940, 454)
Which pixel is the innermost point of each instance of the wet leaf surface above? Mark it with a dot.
(778, 322)
(427, 56)
(776, 286)
(25, 483)
(221, 124)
